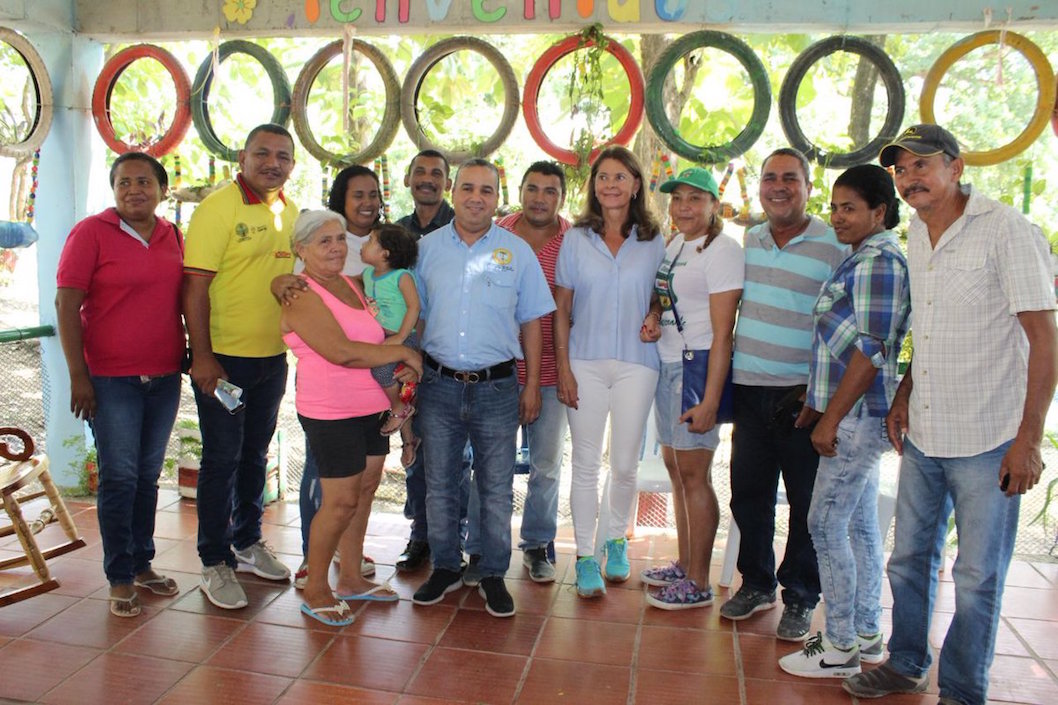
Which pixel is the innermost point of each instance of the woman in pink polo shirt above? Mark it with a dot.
(336, 340)
(118, 306)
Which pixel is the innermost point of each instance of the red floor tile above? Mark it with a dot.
(615, 606)
(270, 648)
(477, 630)
(474, 676)
(587, 640)
(218, 686)
(403, 621)
(687, 650)
(801, 692)
(304, 692)
(552, 681)
(1024, 574)
(374, 664)
(259, 594)
(182, 556)
(77, 577)
(175, 525)
(180, 636)
(119, 678)
(89, 623)
(1042, 637)
(1028, 603)
(669, 688)
(1006, 641)
(1022, 680)
(19, 618)
(30, 668)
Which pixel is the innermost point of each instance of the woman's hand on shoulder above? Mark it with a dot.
(287, 287)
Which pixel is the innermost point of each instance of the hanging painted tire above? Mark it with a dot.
(38, 74)
(547, 61)
(108, 78)
(204, 81)
(894, 88)
(390, 122)
(758, 76)
(409, 96)
(1044, 105)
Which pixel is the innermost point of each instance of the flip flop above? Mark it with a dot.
(125, 606)
(402, 417)
(341, 609)
(409, 449)
(379, 593)
(166, 587)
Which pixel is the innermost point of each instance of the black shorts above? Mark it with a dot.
(341, 446)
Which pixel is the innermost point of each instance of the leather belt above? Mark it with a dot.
(504, 369)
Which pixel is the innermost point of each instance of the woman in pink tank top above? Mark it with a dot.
(339, 404)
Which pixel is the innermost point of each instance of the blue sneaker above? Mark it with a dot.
(589, 578)
(617, 567)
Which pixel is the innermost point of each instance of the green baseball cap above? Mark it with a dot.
(696, 177)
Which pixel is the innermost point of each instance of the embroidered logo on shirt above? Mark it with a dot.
(242, 232)
(502, 256)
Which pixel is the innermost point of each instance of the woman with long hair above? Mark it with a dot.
(604, 278)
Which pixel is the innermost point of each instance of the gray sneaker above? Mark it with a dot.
(884, 680)
(872, 648)
(472, 574)
(260, 560)
(222, 588)
(747, 602)
(541, 570)
(795, 623)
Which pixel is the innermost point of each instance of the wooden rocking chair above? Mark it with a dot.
(17, 471)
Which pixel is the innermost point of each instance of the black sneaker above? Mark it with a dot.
(795, 623)
(747, 602)
(498, 602)
(415, 555)
(541, 570)
(440, 583)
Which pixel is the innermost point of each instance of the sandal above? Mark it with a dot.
(409, 451)
(159, 585)
(401, 418)
(125, 606)
(341, 610)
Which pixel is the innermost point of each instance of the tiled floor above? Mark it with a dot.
(64, 647)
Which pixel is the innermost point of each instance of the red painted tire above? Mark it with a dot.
(544, 64)
(109, 76)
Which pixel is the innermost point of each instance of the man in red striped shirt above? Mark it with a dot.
(542, 192)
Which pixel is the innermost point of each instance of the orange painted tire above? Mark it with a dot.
(108, 78)
(547, 61)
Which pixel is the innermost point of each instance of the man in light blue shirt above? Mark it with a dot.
(481, 287)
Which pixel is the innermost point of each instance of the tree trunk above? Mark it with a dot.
(863, 96)
(647, 144)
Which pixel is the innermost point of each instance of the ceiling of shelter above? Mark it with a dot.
(116, 19)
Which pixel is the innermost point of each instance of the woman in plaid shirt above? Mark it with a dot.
(860, 319)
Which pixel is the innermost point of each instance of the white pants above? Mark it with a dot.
(622, 392)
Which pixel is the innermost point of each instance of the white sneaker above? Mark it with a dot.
(260, 560)
(821, 659)
(222, 588)
(301, 578)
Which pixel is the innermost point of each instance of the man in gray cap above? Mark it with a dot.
(968, 419)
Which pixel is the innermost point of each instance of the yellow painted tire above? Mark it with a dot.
(1044, 82)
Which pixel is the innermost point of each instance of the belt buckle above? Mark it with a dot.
(467, 377)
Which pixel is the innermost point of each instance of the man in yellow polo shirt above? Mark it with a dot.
(237, 241)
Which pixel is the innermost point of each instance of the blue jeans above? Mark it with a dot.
(761, 450)
(843, 521)
(486, 415)
(546, 437)
(987, 522)
(234, 452)
(131, 427)
(415, 488)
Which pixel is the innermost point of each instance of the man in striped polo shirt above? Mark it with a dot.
(787, 260)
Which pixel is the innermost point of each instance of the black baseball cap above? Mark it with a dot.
(921, 140)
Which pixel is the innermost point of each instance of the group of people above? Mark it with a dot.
(537, 322)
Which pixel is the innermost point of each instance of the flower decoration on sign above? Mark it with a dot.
(239, 10)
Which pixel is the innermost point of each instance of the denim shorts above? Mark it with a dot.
(668, 402)
(341, 446)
